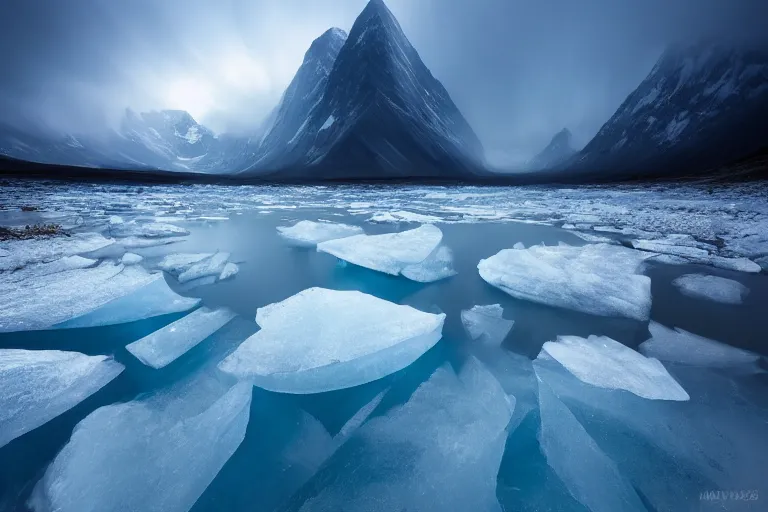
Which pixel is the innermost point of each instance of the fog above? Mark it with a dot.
(520, 70)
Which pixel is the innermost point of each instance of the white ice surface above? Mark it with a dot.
(212, 266)
(322, 340)
(44, 250)
(175, 264)
(150, 300)
(597, 279)
(38, 270)
(439, 451)
(165, 345)
(389, 253)
(679, 346)
(307, 233)
(486, 324)
(437, 266)
(145, 229)
(130, 258)
(713, 288)
(41, 302)
(229, 270)
(606, 363)
(38, 385)
(154, 455)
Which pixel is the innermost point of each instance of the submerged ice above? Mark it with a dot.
(598, 279)
(486, 324)
(307, 233)
(606, 363)
(155, 455)
(38, 385)
(322, 340)
(414, 254)
(717, 289)
(165, 345)
(441, 450)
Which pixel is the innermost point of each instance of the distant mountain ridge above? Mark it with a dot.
(559, 151)
(701, 106)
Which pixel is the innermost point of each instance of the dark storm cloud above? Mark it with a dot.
(520, 70)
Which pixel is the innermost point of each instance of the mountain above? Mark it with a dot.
(557, 152)
(378, 113)
(700, 107)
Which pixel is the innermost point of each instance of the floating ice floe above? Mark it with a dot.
(20, 253)
(439, 451)
(606, 363)
(486, 324)
(597, 279)
(150, 300)
(307, 233)
(191, 267)
(414, 252)
(519, 246)
(145, 229)
(679, 346)
(130, 258)
(38, 385)
(322, 340)
(403, 216)
(138, 242)
(41, 302)
(165, 345)
(681, 249)
(716, 289)
(153, 455)
(590, 476)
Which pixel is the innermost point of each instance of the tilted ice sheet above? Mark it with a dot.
(175, 264)
(39, 303)
(486, 324)
(155, 455)
(437, 266)
(606, 363)
(587, 472)
(165, 345)
(679, 346)
(597, 279)
(37, 270)
(38, 385)
(307, 233)
(148, 301)
(322, 340)
(389, 253)
(717, 289)
(439, 451)
(43, 250)
(212, 266)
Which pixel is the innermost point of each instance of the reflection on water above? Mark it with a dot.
(290, 455)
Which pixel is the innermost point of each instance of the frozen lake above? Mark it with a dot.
(472, 424)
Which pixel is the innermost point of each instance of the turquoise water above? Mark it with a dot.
(275, 467)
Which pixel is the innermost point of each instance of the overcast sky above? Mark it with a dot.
(520, 70)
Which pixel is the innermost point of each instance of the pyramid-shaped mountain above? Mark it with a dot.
(376, 113)
(702, 106)
(557, 152)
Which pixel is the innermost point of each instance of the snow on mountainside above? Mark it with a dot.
(701, 106)
(557, 152)
(379, 114)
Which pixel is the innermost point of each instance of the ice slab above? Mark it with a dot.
(230, 270)
(486, 324)
(130, 258)
(138, 242)
(606, 363)
(212, 266)
(716, 289)
(145, 230)
(153, 455)
(175, 264)
(597, 279)
(38, 385)
(165, 345)
(307, 233)
(20, 253)
(679, 346)
(37, 270)
(41, 302)
(437, 266)
(439, 451)
(681, 249)
(390, 253)
(519, 246)
(403, 216)
(322, 340)
(589, 474)
(150, 300)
